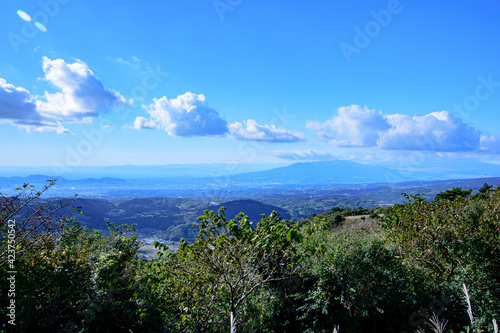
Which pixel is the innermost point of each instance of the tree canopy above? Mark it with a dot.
(347, 270)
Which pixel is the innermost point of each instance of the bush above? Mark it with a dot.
(454, 241)
(356, 283)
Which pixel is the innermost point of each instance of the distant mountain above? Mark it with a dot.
(139, 171)
(38, 180)
(104, 180)
(341, 171)
(297, 179)
(42, 180)
(323, 172)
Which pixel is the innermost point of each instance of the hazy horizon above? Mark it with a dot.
(429, 170)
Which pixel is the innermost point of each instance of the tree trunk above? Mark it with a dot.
(233, 323)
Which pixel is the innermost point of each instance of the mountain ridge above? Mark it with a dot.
(334, 171)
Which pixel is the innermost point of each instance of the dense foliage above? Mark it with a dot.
(453, 240)
(348, 270)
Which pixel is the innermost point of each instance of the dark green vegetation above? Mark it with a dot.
(164, 218)
(355, 270)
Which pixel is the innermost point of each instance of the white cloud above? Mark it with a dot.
(437, 131)
(44, 127)
(141, 123)
(257, 132)
(190, 115)
(120, 61)
(490, 143)
(354, 126)
(17, 108)
(187, 115)
(360, 127)
(16, 103)
(82, 95)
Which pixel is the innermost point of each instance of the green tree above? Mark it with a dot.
(453, 194)
(82, 281)
(455, 242)
(484, 190)
(35, 224)
(219, 279)
(70, 278)
(352, 281)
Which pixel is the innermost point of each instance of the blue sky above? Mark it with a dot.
(160, 82)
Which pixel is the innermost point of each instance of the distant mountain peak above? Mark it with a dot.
(334, 171)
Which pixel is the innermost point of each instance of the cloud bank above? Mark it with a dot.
(190, 115)
(356, 126)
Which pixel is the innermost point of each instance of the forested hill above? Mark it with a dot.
(173, 216)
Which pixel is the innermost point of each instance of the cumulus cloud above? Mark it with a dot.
(141, 123)
(256, 132)
(187, 115)
(354, 126)
(437, 131)
(82, 95)
(303, 155)
(17, 108)
(16, 103)
(190, 115)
